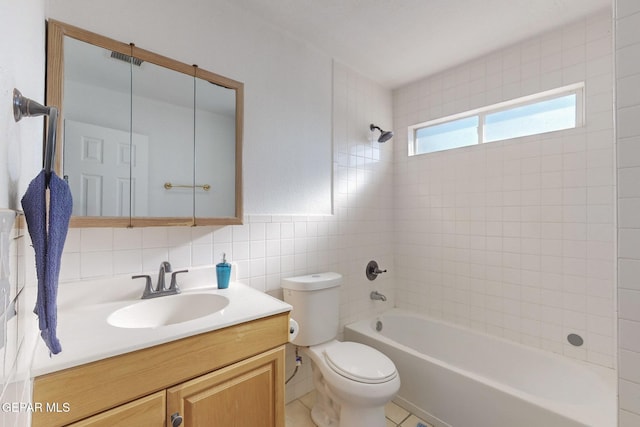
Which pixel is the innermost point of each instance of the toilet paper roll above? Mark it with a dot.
(293, 329)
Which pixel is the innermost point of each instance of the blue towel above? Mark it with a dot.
(34, 206)
(48, 243)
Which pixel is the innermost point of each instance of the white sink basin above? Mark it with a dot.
(167, 310)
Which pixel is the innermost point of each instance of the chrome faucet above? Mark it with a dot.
(160, 289)
(375, 295)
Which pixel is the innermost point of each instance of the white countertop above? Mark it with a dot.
(86, 336)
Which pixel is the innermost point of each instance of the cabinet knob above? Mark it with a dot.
(176, 420)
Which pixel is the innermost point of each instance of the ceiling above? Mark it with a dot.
(395, 42)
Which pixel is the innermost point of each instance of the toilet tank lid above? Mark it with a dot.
(312, 282)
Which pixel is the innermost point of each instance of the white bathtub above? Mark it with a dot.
(452, 376)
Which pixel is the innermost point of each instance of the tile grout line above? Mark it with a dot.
(404, 419)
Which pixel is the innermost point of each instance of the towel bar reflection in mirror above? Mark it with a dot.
(169, 186)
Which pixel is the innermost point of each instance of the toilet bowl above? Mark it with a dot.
(353, 384)
(353, 381)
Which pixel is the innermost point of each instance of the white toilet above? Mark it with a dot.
(353, 381)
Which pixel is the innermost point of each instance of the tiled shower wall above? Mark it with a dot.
(15, 385)
(267, 248)
(21, 67)
(628, 151)
(515, 238)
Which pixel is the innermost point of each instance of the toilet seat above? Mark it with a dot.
(359, 362)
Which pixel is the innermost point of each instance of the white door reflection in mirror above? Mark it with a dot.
(98, 164)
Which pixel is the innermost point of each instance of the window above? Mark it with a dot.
(543, 112)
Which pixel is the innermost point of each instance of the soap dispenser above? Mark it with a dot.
(223, 273)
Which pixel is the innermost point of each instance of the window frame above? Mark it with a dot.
(576, 89)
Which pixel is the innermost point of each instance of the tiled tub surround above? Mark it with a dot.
(514, 238)
(628, 195)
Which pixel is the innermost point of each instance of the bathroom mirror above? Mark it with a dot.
(143, 140)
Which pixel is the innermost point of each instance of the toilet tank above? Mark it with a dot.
(315, 299)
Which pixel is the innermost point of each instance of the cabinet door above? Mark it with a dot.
(249, 393)
(147, 411)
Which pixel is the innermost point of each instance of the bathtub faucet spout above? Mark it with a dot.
(375, 295)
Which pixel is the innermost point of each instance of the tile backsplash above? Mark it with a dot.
(515, 238)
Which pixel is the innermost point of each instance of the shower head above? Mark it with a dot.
(384, 135)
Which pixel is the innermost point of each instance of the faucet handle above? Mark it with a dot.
(373, 271)
(174, 282)
(148, 287)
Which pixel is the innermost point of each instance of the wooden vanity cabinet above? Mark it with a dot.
(243, 394)
(229, 377)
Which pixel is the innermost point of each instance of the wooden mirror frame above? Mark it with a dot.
(56, 32)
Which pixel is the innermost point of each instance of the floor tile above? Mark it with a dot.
(297, 415)
(413, 421)
(395, 413)
(309, 399)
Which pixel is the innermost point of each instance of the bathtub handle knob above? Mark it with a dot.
(373, 270)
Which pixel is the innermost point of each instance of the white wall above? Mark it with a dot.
(514, 238)
(627, 44)
(22, 67)
(287, 131)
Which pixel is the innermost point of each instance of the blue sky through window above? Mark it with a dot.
(545, 116)
(497, 123)
(454, 134)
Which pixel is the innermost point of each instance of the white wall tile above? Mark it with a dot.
(127, 261)
(627, 44)
(627, 59)
(626, 418)
(629, 304)
(534, 217)
(629, 396)
(96, 264)
(96, 239)
(629, 335)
